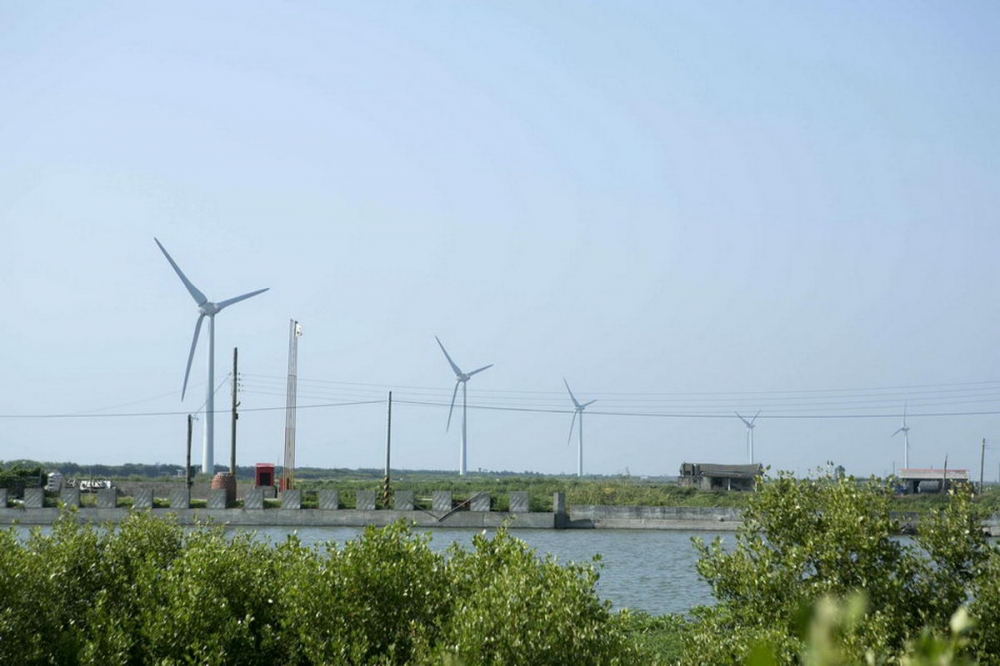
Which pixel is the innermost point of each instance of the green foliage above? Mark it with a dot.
(151, 592)
(658, 639)
(513, 608)
(833, 538)
(380, 597)
(16, 477)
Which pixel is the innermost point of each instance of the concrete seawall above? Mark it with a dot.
(292, 517)
(574, 517)
(654, 518)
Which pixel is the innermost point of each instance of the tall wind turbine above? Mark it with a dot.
(206, 308)
(461, 378)
(578, 411)
(905, 429)
(749, 425)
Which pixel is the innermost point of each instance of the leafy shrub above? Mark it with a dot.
(804, 540)
(512, 608)
(151, 592)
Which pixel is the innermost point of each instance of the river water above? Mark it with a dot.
(648, 570)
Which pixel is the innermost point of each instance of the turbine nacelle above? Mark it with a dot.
(749, 424)
(208, 308)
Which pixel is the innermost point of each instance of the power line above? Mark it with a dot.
(147, 414)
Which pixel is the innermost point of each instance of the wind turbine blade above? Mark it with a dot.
(457, 370)
(571, 424)
(478, 370)
(198, 297)
(229, 301)
(194, 343)
(587, 404)
(742, 419)
(755, 417)
(571, 396)
(896, 433)
(452, 408)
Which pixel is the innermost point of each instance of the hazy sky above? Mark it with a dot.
(685, 209)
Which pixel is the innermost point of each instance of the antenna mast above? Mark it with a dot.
(288, 469)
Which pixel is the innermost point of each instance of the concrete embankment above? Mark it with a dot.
(292, 517)
(655, 518)
(578, 517)
(474, 513)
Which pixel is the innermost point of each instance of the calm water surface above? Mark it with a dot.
(652, 571)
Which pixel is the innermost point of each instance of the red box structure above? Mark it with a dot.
(264, 475)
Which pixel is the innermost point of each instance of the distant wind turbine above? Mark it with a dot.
(461, 378)
(578, 411)
(749, 425)
(905, 429)
(206, 308)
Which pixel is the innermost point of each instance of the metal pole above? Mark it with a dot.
(232, 450)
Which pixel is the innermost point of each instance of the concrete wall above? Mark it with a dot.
(579, 517)
(654, 517)
(290, 517)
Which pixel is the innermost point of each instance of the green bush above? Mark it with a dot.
(513, 608)
(151, 592)
(805, 540)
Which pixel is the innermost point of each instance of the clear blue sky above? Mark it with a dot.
(685, 209)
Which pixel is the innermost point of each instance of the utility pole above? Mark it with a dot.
(288, 469)
(232, 450)
(982, 462)
(386, 489)
(187, 464)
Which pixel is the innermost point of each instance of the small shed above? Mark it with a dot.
(712, 476)
(264, 475)
(930, 480)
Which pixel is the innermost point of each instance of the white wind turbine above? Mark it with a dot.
(905, 429)
(206, 308)
(749, 425)
(460, 378)
(578, 411)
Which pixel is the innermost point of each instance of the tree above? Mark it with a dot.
(803, 540)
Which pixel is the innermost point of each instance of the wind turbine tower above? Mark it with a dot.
(905, 429)
(577, 411)
(461, 378)
(749, 424)
(206, 308)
